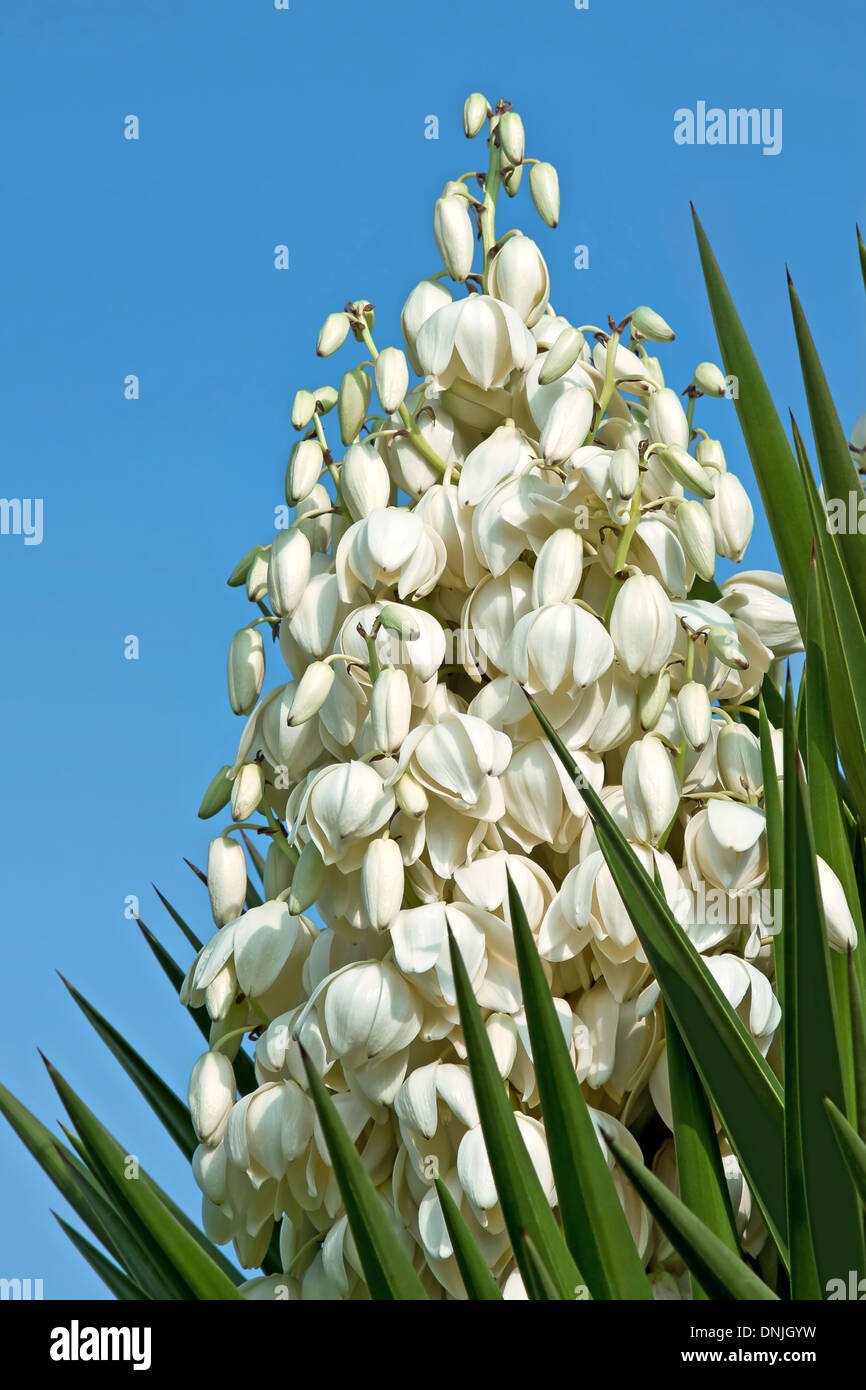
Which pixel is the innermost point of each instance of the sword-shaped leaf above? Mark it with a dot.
(114, 1279)
(851, 1147)
(477, 1279)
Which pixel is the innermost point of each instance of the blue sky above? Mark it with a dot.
(303, 127)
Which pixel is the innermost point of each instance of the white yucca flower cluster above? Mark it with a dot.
(532, 518)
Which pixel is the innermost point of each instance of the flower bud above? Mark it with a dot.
(695, 531)
(317, 506)
(648, 324)
(311, 692)
(652, 697)
(392, 378)
(211, 1096)
(558, 569)
(302, 472)
(217, 794)
(257, 575)
(303, 409)
(544, 187)
(326, 399)
(695, 714)
(710, 454)
(562, 355)
(739, 757)
(512, 176)
(288, 571)
(277, 872)
(308, 880)
(567, 424)
(512, 139)
(841, 931)
(725, 647)
(382, 883)
(475, 111)
(624, 473)
(421, 303)
(353, 402)
(364, 480)
(650, 788)
(518, 276)
(731, 516)
(396, 620)
(667, 419)
(455, 238)
(643, 625)
(710, 380)
(332, 334)
(247, 791)
(687, 471)
(226, 879)
(411, 796)
(245, 669)
(242, 568)
(390, 709)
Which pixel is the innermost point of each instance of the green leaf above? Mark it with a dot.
(167, 1106)
(736, 1077)
(824, 1234)
(775, 831)
(858, 1045)
(861, 247)
(387, 1268)
(524, 1205)
(851, 1147)
(114, 1279)
(591, 1213)
(176, 917)
(186, 1264)
(839, 475)
(769, 450)
(541, 1274)
(721, 1273)
(477, 1279)
(703, 1188)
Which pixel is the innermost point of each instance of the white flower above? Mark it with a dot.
(841, 931)
(651, 788)
(211, 1096)
(643, 625)
(370, 1011)
(392, 378)
(364, 480)
(730, 512)
(288, 571)
(504, 454)
(382, 882)
(760, 599)
(390, 546)
(346, 804)
(423, 300)
(455, 236)
(518, 276)
(558, 645)
(226, 879)
(567, 424)
(477, 339)
(667, 419)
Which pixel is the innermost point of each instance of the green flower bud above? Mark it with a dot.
(353, 402)
(303, 409)
(217, 794)
(242, 568)
(512, 138)
(652, 697)
(332, 336)
(308, 879)
(245, 669)
(649, 324)
(710, 380)
(475, 112)
(561, 356)
(687, 470)
(302, 473)
(247, 791)
(697, 538)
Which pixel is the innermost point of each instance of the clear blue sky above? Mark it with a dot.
(155, 257)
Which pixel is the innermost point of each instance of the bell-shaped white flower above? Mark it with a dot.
(558, 568)
(390, 709)
(841, 931)
(455, 236)
(423, 300)
(390, 546)
(370, 1011)
(667, 419)
(732, 517)
(739, 755)
(288, 571)
(760, 599)
(211, 1095)
(311, 692)
(503, 454)
(695, 713)
(364, 480)
(643, 625)
(226, 879)
(332, 334)
(558, 646)
(247, 791)
(567, 424)
(476, 339)
(651, 788)
(347, 804)
(518, 276)
(382, 882)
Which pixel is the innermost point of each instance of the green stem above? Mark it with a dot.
(622, 553)
(488, 211)
(419, 443)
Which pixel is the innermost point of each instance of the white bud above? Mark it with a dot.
(245, 669)
(562, 355)
(353, 402)
(455, 237)
(518, 276)
(725, 647)
(332, 334)
(710, 380)
(257, 576)
(512, 138)
(648, 324)
(695, 714)
(392, 378)
(411, 796)
(390, 709)
(226, 879)
(247, 791)
(308, 880)
(364, 480)
(558, 569)
(643, 625)
(211, 1096)
(288, 571)
(652, 697)
(710, 454)
(731, 516)
(303, 409)
(303, 469)
(667, 419)
(687, 471)
(311, 692)
(567, 424)
(475, 110)
(841, 931)
(650, 788)
(326, 399)
(624, 473)
(382, 883)
(423, 300)
(544, 187)
(739, 757)
(318, 528)
(696, 535)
